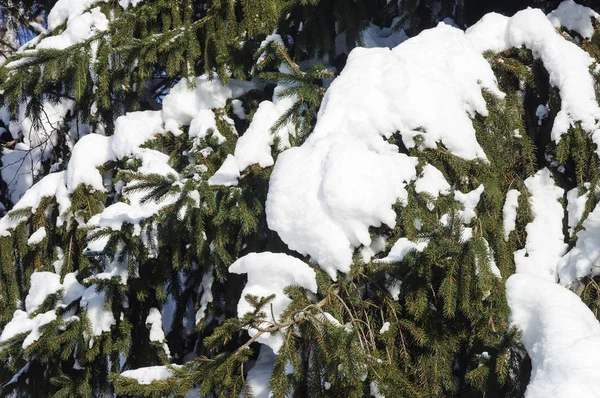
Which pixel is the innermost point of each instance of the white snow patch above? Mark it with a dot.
(433, 182)
(545, 242)
(401, 248)
(576, 206)
(269, 273)
(149, 374)
(469, 200)
(37, 236)
(101, 320)
(574, 17)
(228, 173)
(42, 285)
(509, 212)
(559, 333)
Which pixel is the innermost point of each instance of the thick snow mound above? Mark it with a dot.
(270, 273)
(561, 336)
(567, 64)
(574, 17)
(324, 195)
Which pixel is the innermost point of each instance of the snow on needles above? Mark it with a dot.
(567, 64)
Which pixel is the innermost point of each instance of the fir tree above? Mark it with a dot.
(137, 191)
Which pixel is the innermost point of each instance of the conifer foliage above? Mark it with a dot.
(316, 198)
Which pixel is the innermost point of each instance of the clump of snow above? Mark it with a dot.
(37, 236)
(182, 104)
(72, 289)
(21, 323)
(384, 328)
(401, 248)
(433, 182)
(149, 374)
(559, 333)
(101, 320)
(207, 296)
(377, 246)
(79, 28)
(52, 185)
(42, 285)
(228, 173)
(238, 109)
(576, 206)
(324, 195)
(567, 64)
(155, 320)
(21, 165)
(469, 200)
(545, 241)
(583, 259)
(270, 273)
(574, 17)
(509, 212)
(66, 9)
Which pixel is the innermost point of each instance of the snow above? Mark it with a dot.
(155, 320)
(52, 185)
(432, 181)
(269, 273)
(42, 285)
(401, 248)
(207, 296)
(377, 246)
(469, 200)
(567, 64)
(182, 103)
(149, 374)
(228, 173)
(90, 152)
(559, 333)
(584, 258)
(324, 195)
(23, 165)
(260, 374)
(384, 328)
(574, 17)
(255, 145)
(509, 212)
(66, 9)
(576, 206)
(37, 236)
(21, 323)
(542, 113)
(545, 242)
(238, 109)
(100, 319)
(79, 29)
(72, 289)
